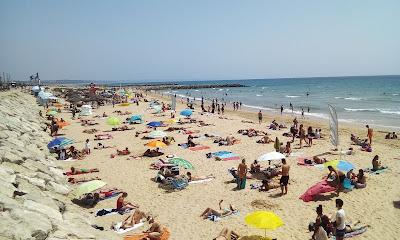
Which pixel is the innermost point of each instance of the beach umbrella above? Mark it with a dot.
(157, 108)
(342, 165)
(181, 162)
(51, 113)
(59, 142)
(156, 144)
(271, 156)
(157, 134)
(264, 220)
(154, 124)
(186, 112)
(113, 121)
(136, 118)
(86, 187)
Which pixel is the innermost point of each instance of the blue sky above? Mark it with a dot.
(190, 40)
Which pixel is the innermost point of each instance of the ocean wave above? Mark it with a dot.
(384, 111)
(259, 95)
(258, 107)
(395, 94)
(353, 98)
(292, 96)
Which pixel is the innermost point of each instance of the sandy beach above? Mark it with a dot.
(180, 210)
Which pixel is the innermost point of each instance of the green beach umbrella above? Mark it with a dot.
(86, 187)
(113, 121)
(181, 162)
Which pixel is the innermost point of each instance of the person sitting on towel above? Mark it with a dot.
(123, 205)
(376, 164)
(255, 167)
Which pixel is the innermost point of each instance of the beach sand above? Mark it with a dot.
(180, 210)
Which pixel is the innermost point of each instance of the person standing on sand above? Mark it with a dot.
(260, 116)
(281, 109)
(87, 147)
(302, 135)
(291, 106)
(340, 220)
(284, 181)
(302, 112)
(242, 172)
(295, 122)
(370, 133)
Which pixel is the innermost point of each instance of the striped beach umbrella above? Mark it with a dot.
(59, 142)
(181, 162)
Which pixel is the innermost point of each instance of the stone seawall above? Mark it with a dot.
(33, 190)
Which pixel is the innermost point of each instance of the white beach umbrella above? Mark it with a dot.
(157, 134)
(271, 156)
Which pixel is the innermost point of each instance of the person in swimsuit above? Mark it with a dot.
(260, 116)
(370, 133)
(197, 178)
(132, 220)
(242, 172)
(361, 179)
(302, 135)
(220, 213)
(337, 176)
(376, 164)
(123, 205)
(227, 234)
(284, 181)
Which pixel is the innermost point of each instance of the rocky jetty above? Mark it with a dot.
(33, 190)
(194, 86)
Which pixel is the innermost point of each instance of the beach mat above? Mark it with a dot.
(377, 172)
(199, 148)
(235, 158)
(201, 181)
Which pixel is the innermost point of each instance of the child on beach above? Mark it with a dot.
(87, 147)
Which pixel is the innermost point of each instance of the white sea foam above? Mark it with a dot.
(389, 111)
(258, 107)
(395, 94)
(259, 95)
(361, 109)
(353, 98)
(292, 96)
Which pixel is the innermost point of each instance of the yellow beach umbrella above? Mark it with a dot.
(264, 220)
(156, 144)
(124, 104)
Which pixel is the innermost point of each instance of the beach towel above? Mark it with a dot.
(117, 227)
(225, 156)
(201, 181)
(377, 172)
(110, 211)
(183, 145)
(216, 218)
(315, 190)
(199, 147)
(353, 233)
(302, 161)
(235, 158)
(347, 184)
(164, 236)
(220, 153)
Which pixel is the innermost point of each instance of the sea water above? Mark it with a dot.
(373, 100)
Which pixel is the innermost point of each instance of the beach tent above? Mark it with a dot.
(156, 134)
(35, 90)
(187, 112)
(86, 110)
(136, 119)
(44, 97)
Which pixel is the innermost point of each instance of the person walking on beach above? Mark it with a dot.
(242, 172)
(284, 181)
(302, 135)
(73, 112)
(302, 112)
(295, 122)
(87, 147)
(308, 109)
(223, 109)
(240, 104)
(291, 106)
(260, 116)
(281, 109)
(370, 133)
(340, 218)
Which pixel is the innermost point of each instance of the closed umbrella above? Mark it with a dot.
(157, 134)
(186, 112)
(271, 156)
(156, 144)
(59, 142)
(113, 121)
(264, 220)
(86, 187)
(181, 162)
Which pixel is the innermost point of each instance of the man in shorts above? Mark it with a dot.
(285, 176)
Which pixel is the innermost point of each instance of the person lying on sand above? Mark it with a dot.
(74, 171)
(265, 140)
(168, 140)
(122, 128)
(154, 232)
(101, 146)
(197, 178)
(123, 152)
(124, 205)
(81, 180)
(227, 234)
(133, 219)
(152, 153)
(102, 136)
(137, 133)
(269, 184)
(88, 122)
(220, 213)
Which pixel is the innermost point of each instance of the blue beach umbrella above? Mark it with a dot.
(187, 112)
(342, 165)
(154, 124)
(59, 142)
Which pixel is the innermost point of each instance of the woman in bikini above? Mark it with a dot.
(220, 213)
